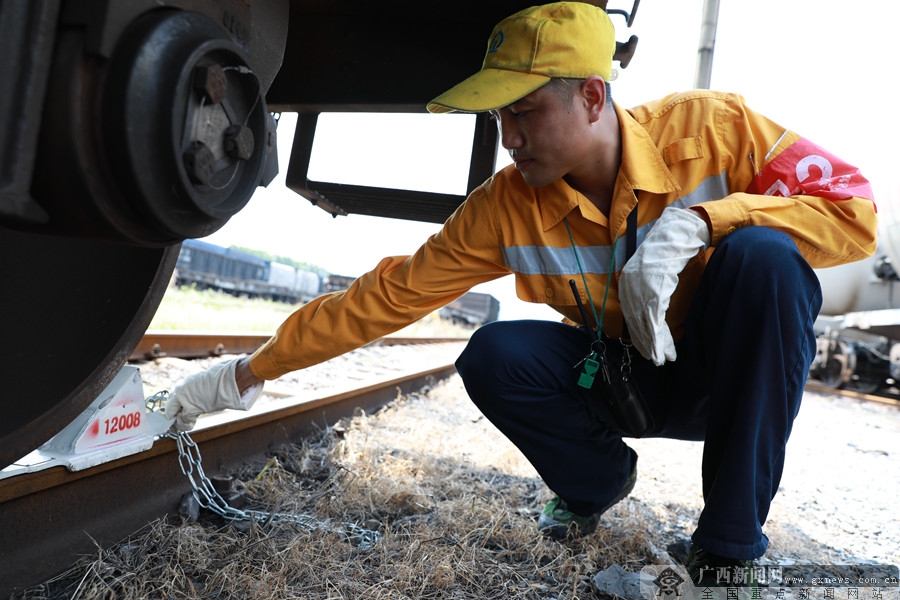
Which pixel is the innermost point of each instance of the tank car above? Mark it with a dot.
(858, 330)
(290, 284)
(336, 283)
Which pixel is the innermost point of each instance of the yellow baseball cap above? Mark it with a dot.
(563, 39)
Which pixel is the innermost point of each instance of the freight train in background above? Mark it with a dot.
(207, 266)
(210, 267)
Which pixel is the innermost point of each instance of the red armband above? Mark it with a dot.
(805, 168)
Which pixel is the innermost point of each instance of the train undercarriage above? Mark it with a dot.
(858, 331)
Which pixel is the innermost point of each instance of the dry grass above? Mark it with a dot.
(455, 503)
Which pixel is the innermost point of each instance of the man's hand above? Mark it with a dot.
(229, 384)
(650, 277)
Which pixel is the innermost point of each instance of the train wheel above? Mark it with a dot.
(154, 129)
(862, 386)
(165, 140)
(72, 312)
(831, 364)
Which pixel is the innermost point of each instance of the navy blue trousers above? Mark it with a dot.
(736, 385)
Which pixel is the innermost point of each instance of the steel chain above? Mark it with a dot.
(626, 359)
(191, 464)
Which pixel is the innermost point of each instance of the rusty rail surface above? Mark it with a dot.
(816, 387)
(50, 518)
(197, 344)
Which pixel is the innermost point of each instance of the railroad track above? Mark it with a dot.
(198, 344)
(817, 387)
(51, 517)
(186, 344)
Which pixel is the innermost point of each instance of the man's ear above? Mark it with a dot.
(593, 89)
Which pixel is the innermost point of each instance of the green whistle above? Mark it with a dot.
(586, 378)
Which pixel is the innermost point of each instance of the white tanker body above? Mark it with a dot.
(858, 329)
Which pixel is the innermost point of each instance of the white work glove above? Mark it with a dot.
(650, 277)
(208, 391)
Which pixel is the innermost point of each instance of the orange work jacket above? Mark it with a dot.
(697, 149)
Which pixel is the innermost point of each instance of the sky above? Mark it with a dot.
(823, 68)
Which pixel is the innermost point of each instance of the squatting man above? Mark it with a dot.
(677, 240)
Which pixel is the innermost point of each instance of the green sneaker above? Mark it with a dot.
(558, 522)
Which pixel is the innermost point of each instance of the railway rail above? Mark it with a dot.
(189, 344)
(51, 517)
(817, 387)
(196, 344)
